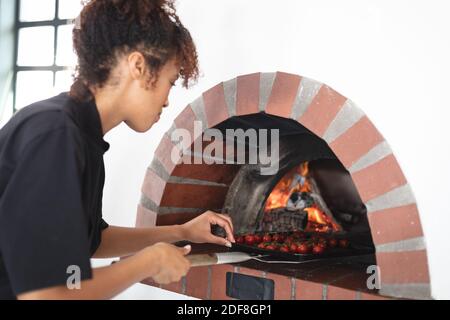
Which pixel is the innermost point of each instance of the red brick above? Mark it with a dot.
(164, 154)
(145, 218)
(196, 147)
(220, 173)
(306, 290)
(403, 267)
(336, 293)
(247, 96)
(171, 219)
(215, 149)
(396, 224)
(366, 296)
(322, 111)
(231, 152)
(153, 187)
(193, 196)
(218, 281)
(284, 93)
(329, 274)
(186, 120)
(356, 142)
(283, 286)
(215, 106)
(356, 281)
(378, 179)
(197, 283)
(251, 272)
(204, 149)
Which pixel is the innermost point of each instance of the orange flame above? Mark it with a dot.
(318, 221)
(282, 192)
(303, 169)
(315, 215)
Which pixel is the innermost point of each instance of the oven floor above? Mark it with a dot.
(348, 273)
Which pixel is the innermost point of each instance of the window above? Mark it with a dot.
(44, 55)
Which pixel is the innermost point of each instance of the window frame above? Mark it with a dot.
(54, 68)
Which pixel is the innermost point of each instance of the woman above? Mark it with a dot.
(130, 54)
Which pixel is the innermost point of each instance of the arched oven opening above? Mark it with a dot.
(308, 209)
(338, 183)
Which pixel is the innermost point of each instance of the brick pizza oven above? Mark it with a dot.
(175, 192)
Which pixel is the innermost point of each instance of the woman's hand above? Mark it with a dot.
(167, 262)
(198, 230)
(163, 262)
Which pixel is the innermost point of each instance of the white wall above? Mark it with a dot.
(389, 56)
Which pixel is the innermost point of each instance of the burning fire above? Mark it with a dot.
(298, 181)
(287, 186)
(315, 215)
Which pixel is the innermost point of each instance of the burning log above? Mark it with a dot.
(285, 219)
(300, 200)
(295, 196)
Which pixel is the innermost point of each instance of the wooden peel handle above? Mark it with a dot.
(202, 260)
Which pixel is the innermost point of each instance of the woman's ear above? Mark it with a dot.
(137, 65)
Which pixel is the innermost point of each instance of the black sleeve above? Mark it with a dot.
(103, 225)
(43, 229)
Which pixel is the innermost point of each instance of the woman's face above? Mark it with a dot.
(145, 102)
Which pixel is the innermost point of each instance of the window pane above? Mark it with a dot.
(65, 55)
(37, 10)
(63, 81)
(33, 86)
(36, 46)
(69, 9)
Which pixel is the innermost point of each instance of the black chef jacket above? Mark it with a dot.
(51, 185)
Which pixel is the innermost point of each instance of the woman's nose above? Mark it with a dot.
(166, 104)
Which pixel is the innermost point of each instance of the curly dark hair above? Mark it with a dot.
(108, 28)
